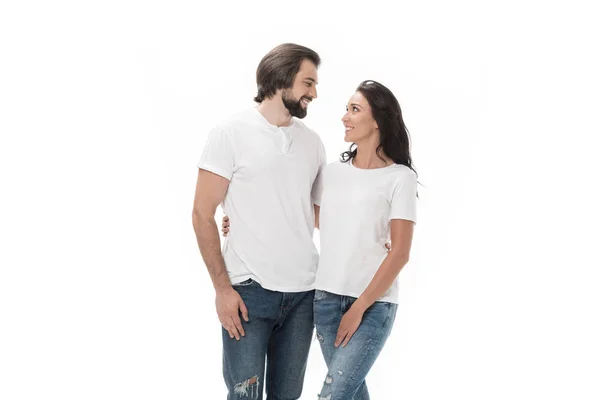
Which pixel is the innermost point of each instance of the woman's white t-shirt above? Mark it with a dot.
(357, 206)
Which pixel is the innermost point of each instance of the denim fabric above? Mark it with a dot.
(280, 330)
(348, 366)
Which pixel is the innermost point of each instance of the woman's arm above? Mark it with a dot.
(402, 233)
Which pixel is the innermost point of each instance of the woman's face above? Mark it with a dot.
(358, 120)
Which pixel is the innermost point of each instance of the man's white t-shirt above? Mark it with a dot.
(271, 172)
(357, 206)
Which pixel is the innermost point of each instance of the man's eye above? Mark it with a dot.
(354, 109)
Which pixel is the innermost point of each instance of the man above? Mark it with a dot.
(261, 165)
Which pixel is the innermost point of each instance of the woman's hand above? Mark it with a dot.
(350, 323)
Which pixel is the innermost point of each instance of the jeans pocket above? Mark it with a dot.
(393, 310)
(390, 317)
(247, 282)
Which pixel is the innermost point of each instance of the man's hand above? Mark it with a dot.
(229, 304)
(225, 229)
(225, 225)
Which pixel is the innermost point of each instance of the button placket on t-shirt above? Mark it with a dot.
(286, 141)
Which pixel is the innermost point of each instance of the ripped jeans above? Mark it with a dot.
(348, 366)
(280, 330)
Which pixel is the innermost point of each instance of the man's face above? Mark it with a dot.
(297, 98)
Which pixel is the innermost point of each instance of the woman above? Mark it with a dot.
(362, 201)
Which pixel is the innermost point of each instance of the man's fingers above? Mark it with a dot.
(229, 325)
(225, 226)
(244, 310)
(234, 329)
(238, 324)
(228, 330)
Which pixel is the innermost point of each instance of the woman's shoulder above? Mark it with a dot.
(335, 166)
(402, 170)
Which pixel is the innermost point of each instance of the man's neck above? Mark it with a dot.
(275, 112)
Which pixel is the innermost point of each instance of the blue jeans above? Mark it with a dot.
(280, 329)
(348, 366)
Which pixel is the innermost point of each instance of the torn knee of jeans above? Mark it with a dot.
(319, 337)
(340, 373)
(248, 388)
(328, 380)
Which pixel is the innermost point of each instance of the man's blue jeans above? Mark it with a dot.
(348, 366)
(280, 329)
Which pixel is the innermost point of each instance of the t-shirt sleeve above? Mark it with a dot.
(217, 156)
(404, 199)
(317, 189)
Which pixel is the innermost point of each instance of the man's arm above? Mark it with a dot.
(210, 192)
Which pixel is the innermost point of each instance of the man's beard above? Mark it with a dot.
(294, 106)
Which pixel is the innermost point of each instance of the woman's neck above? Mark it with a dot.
(367, 158)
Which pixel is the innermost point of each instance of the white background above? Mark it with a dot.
(104, 108)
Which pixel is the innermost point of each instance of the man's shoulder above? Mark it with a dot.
(235, 121)
(307, 131)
